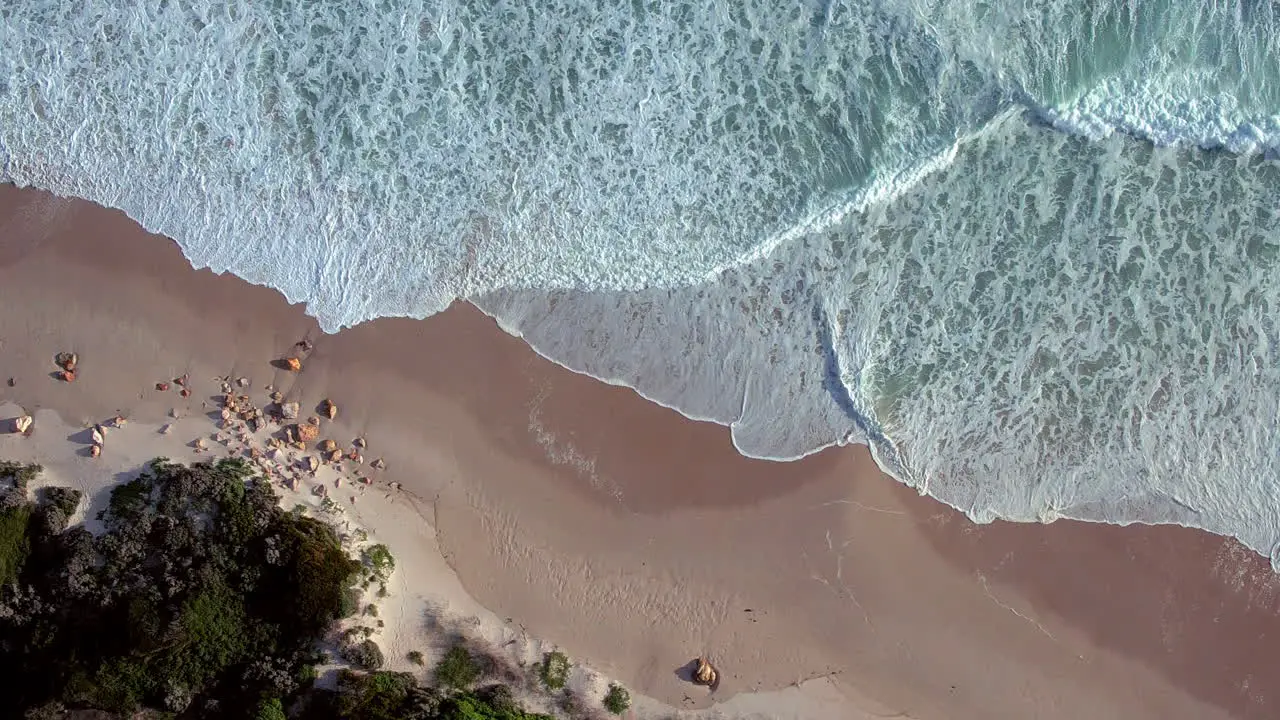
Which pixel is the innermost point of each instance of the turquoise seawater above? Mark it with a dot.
(1023, 249)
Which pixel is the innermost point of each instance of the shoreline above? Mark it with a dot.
(636, 539)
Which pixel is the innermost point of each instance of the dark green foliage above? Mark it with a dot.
(457, 670)
(617, 700)
(365, 655)
(469, 706)
(202, 597)
(66, 500)
(416, 658)
(14, 544)
(373, 696)
(554, 670)
(270, 709)
(379, 562)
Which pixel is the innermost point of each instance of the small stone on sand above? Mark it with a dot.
(328, 446)
(359, 442)
(166, 429)
(95, 451)
(96, 436)
(289, 411)
(22, 424)
(329, 409)
(67, 361)
(162, 386)
(67, 376)
(243, 382)
(378, 464)
(293, 364)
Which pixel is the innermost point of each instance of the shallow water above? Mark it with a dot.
(1023, 250)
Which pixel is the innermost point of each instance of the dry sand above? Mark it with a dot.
(636, 539)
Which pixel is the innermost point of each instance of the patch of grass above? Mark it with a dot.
(379, 561)
(14, 545)
(554, 670)
(617, 700)
(458, 670)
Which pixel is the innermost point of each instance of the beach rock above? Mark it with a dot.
(166, 429)
(243, 382)
(12, 382)
(162, 386)
(328, 446)
(95, 451)
(359, 442)
(307, 433)
(67, 376)
(67, 361)
(355, 457)
(226, 388)
(22, 424)
(366, 480)
(378, 464)
(173, 413)
(199, 444)
(313, 420)
(335, 456)
(337, 482)
(292, 364)
(119, 421)
(182, 381)
(704, 673)
(289, 411)
(185, 393)
(313, 463)
(329, 409)
(96, 436)
(277, 397)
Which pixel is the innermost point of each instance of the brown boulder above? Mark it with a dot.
(306, 432)
(704, 673)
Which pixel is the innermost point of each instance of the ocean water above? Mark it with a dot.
(1026, 251)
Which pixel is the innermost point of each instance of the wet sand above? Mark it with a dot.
(637, 539)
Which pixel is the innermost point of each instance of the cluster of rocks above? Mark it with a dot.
(294, 448)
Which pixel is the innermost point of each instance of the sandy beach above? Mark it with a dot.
(635, 539)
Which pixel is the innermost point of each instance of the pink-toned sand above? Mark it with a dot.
(637, 539)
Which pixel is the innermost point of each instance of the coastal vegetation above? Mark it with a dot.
(201, 597)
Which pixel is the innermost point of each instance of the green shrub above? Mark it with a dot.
(457, 670)
(379, 561)
(365, 655)
(271, 709)
(373, 696)
(416, 658)
(64, 499)
(617, 700)
(14, 544)
(554, 670)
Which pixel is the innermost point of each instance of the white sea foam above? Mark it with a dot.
(816, 222)
(1091, 337)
